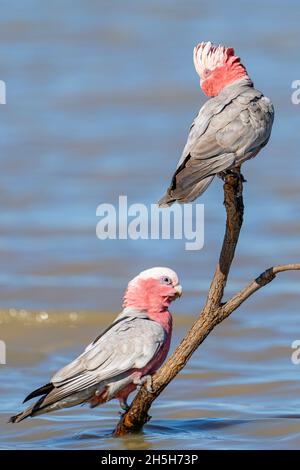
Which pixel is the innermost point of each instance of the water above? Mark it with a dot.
(100, 96)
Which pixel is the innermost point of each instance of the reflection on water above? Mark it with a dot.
(99, 100)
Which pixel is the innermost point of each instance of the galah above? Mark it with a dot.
(123, 357)
(230, 128)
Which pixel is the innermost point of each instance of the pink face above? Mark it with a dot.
(153, 290)
(217, 67)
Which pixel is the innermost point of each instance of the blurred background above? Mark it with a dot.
(100, 97)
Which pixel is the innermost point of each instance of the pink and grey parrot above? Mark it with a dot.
(123, 357)
(230, 128)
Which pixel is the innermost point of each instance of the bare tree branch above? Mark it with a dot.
(262, 280)
(212, 313)
(233, 201)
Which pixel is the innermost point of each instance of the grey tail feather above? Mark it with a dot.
(33, 409)
(185, 195)
(192, 192)
(30, 411)
(166, 201)
(20, 416)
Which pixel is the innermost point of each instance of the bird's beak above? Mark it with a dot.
(178, 290)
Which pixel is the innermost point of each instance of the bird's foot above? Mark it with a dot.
(125, 407)
(234, 172)
(147, 379)
(243, 180)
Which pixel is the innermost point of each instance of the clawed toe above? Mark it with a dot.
(125, 407)
(147, 379)
(149, 384)
(233, 172)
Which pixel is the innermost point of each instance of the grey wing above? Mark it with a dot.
(130, 344)
(227, 138)
(250, 130)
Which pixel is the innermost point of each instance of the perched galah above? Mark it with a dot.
(123, 357)
(230, 128)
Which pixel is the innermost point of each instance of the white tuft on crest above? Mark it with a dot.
(208, 56)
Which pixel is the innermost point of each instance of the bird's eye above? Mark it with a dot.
(206, 73)
(166, 280)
